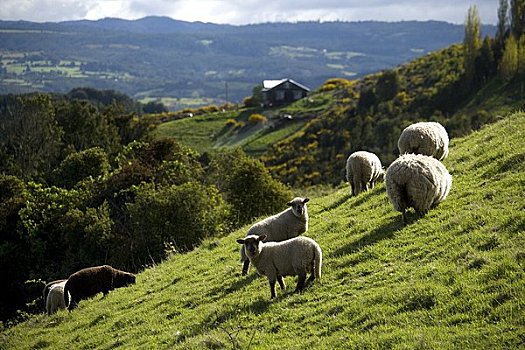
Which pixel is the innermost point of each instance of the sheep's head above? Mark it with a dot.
(298, 205)
(252, 244)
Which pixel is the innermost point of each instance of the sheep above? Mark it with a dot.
(47, 287)
(293, 257)
(417, 181)
(55, 299)
(428, 138)
(289, 223)
(363, 170)
(92, 280)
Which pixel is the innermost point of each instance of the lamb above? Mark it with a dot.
(55, 299)
(293, 257)
(92, 280)
(428, 138)
(287, 224)
(363, 170)
(418, 181)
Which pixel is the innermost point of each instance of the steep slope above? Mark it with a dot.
(453, 279)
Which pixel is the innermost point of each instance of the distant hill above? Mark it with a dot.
(193, 63)
(453, 279)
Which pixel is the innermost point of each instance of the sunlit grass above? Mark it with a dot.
(453, 279)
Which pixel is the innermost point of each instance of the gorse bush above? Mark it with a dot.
(257, 118)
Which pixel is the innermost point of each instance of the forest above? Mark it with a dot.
(83, 183)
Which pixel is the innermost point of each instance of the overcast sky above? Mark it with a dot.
(249, 11)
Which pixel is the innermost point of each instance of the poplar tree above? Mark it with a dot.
(471, 42)
(509, 61)
(503, 21)
(517, 18)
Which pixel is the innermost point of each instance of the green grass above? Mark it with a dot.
(453, 279)
(199, 132)
(206, 132)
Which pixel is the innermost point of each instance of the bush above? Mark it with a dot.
(181, 216)
(257, 118)
(77, 166)
(247, 186)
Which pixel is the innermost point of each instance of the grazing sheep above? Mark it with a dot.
(48, 286)
(418, 181)
(363, 169)
(428, 138)
(55, 298)
(293, 257)
(287, 224)
(93, 280)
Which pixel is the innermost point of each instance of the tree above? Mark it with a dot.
(517, 18)
(485, 62)
(509, 62)
(29, 134)
(387, 85)
(471, 42)
(503, 21)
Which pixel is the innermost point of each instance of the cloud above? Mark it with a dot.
(248, 11)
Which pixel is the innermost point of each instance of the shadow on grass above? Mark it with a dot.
(225, 289)
(379, 234)
(337, 203)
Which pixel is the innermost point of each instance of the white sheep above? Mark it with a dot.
(293, 257)
(363, 170)
(417, 181)
(428, 138)
(287, 224)
(55, 298)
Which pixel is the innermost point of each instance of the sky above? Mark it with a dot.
(240, 12)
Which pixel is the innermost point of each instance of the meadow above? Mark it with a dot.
(453, 279)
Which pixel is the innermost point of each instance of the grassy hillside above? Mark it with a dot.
(345, 116)
(453, 279)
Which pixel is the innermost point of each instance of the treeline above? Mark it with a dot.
(370, 114)
(83, 183)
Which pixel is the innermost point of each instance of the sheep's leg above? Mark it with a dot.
(281, 282)
(272, 288)
(245, 267)
(311, 279)
(404, 217)
(300, 282)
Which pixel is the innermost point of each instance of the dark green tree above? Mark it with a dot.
(29, 134)
(387, 85)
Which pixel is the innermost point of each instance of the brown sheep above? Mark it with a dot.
(93, 280)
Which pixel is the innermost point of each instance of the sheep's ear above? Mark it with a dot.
(306, 200)
(289, 204)
(240, 241)
(262, 238)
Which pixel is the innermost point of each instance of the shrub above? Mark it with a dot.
(247, 186)
(77, 166)
(257, 118)
(181, 216)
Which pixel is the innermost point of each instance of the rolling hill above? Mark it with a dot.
(197, 63)
(452, 279)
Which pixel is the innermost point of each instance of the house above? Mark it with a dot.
(276, 92)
